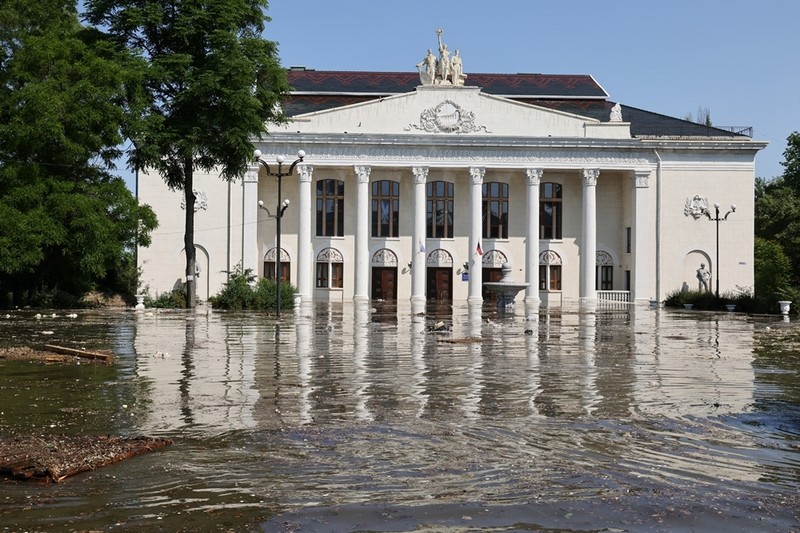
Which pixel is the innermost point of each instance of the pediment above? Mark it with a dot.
(452, 111)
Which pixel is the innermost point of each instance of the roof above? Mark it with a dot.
(580, 94)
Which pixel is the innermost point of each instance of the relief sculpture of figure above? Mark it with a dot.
(703, 277)
(427, 68)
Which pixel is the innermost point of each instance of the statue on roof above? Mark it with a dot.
(616, 113)
(445, 70)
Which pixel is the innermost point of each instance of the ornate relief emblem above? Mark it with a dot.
(447, 117)
(494, 258)
(549, 257)
(696, 207)
(200, 201)
(330, 255)
(440, 258)
(271, 255)
(603, 258)
(385, 258)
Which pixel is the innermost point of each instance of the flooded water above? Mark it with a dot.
(356, 418)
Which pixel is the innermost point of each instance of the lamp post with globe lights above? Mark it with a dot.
(282, 205)
(716, 218)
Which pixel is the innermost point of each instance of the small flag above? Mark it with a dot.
(478, 250)
(421, 247)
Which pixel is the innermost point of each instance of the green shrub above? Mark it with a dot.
(240, 292)
(167, 300)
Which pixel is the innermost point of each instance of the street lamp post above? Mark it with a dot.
(282, 205)
(716, 218)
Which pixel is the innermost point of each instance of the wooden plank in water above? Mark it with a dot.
(77, 353)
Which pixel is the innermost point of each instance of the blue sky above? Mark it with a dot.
(737, 58)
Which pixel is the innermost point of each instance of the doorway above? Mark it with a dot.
(384, 283)
(440, 283)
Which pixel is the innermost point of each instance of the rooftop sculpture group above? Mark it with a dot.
(445, 70)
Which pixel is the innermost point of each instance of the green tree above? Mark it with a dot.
(65, 221)
(210, 83)
(791, 162)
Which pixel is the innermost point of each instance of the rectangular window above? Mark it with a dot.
(627, 240)
(495, 210)
(330, 275)
(550, 208)
(385, 208)
(555, 277)
(627, 280)
(440, 203)
(330, 208)
(269, 270)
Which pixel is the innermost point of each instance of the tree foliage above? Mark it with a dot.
(65, 221)
(210, 83)
(777, 229)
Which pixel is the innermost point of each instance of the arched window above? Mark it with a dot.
(330, 208)
(549, 271)
(270, 263)
(440, 209)
(330, 269)
(385, 208)
(495, 210)
(550, 210)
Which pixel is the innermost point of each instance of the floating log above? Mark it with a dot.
(55, 458)
(86, 354)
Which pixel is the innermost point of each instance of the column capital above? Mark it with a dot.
(251, 175)
(305, 171)
(534, 176)
(590, 176)
(641, 178)
(420, 174)
(362, 173)
(476, 174)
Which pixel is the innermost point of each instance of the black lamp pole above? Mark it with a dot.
(282, 205)
(717, 219)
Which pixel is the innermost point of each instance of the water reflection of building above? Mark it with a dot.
(332, 362)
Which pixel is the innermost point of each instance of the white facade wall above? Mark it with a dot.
(642, 185)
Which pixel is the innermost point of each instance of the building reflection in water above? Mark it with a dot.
(329, 363)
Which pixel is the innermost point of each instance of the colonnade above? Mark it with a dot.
(640, 212)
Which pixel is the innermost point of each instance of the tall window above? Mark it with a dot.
(604, 277)
(330, 208)
(330, 269)
(549, 271)
(440, 209)
(385, 208)
(550, 210)
(495, 210)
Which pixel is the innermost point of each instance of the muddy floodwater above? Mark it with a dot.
(344, 417)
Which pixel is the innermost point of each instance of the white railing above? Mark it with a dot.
(614, 297)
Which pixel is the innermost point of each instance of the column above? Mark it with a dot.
(305, 258)
(588, 251)
(418, 236)
(534, 176)
(475, 234)
(362, 234)
(640, 248)
(250, 250)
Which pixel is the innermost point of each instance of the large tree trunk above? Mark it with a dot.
(188, 237)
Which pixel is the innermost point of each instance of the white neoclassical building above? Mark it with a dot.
(420, 185)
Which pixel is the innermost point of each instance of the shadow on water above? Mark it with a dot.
(376, 418)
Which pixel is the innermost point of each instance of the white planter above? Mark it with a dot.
(785, 304)
(140, 301)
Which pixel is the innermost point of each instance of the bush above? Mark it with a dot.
(240, 293)
(167, 300)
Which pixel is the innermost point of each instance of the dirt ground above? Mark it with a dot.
(52, 458)
(26, 353)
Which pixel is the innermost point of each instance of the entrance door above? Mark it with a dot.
(489, 275)
(440, 284)
(384, 283)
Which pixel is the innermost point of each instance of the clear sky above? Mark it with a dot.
(738, 58)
